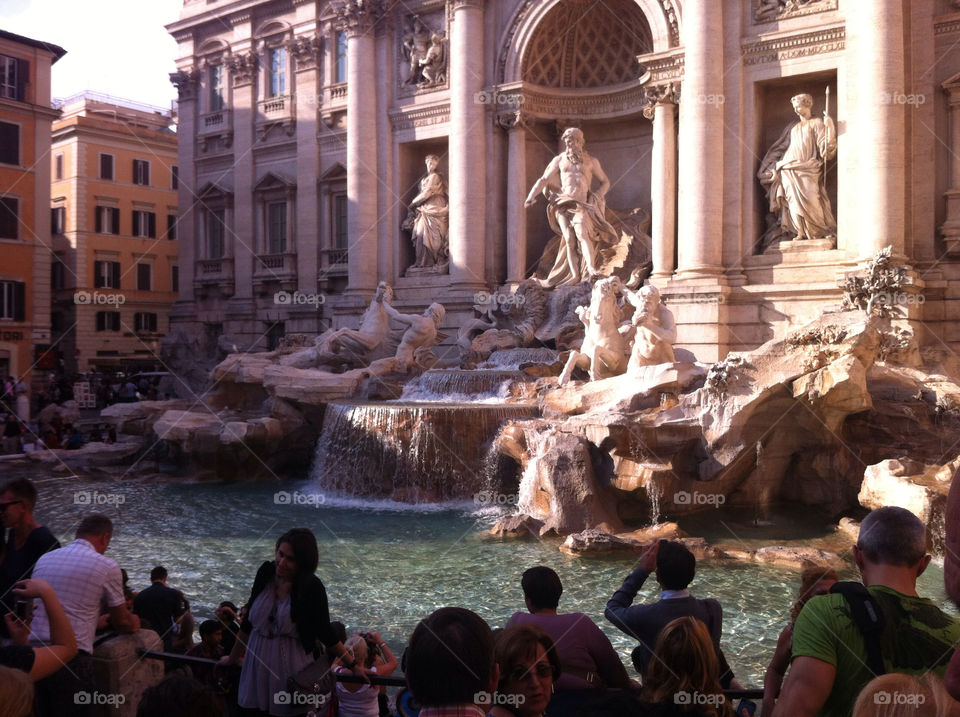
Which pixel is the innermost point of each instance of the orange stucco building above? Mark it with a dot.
(114, 212)
(25, 120)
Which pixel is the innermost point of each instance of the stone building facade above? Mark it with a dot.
(114, 221)
(304, 125)
(25, 117)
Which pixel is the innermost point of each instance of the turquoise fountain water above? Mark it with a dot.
(386, 565)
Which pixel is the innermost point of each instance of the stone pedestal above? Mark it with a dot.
(122, 674)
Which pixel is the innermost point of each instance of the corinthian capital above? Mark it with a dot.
(185, 81)
(665, 94)
(357, 17)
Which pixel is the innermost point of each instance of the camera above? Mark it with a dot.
(23, 609)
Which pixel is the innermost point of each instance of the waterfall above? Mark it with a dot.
(514, 358)
(654, 493)
(527, 495)
(455, 385)
(413, 452)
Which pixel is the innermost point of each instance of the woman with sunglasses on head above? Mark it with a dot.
(288, 621)
(529, 665)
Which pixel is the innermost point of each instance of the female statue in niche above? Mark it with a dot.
(427, 219)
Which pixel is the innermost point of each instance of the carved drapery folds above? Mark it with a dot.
(305, 49)
(243, 67)
(668, 93)
(770, 10)
(186, 83)
(424, 55)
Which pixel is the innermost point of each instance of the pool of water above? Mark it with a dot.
(386, 568)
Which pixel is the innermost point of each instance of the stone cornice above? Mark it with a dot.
(458, 4)
(786, 47)
(332, 139)
(548, 103)
(239, 18)
(420, 116)
(662, 67)
(947, 26)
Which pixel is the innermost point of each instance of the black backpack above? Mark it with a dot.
(868, 617)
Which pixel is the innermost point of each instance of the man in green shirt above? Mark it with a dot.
(829, 666)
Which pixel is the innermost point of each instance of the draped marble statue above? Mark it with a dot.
(427, 220)
(792, 172)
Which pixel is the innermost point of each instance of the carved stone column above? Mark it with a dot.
(515, 123)
(663, 178)
(306, 229)
(700, 200)
(880, 133)
(951, 227)
(357, 21)
(243, 247)
(186, 82)
(468, 155)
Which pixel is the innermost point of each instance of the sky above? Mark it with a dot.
(115, 47)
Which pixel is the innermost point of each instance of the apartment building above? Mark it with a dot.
(25, 118)
(113, 216)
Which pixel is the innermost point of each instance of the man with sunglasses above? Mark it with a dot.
(26, 540)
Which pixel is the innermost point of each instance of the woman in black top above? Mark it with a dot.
(287, 620)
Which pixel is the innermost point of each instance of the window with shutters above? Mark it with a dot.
(106, 166)
(340, 221)
(216, 226)
(174, 278)
(13, 301)
(108, 321)
(340, 64)
(144, 277)
(141, 172)
(144, 224)
(277, 227)
(58, 167)
(9, 218)
(215, 83)
(9, 143)
(278, 71)
(145, 322)
(171, 227)
(106, 274)
(107, 220)
(58, 275)
(174, 177)
(13, 77)
(58, 219)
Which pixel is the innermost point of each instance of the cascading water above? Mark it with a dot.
(414, 452)
(450, 386)
(527, 495)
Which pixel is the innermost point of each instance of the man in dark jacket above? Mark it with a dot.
(160, 606)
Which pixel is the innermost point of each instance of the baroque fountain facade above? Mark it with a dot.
(607, 272)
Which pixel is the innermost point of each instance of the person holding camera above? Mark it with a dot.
(357, 699)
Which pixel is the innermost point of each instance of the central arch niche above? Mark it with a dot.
(583, 44)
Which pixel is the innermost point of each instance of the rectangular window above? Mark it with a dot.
(58, 167)
(13, 77)
(58, 219)
(9, 143)
(174, 177)
(106, 275)
(171, 227)
(141, 172)
(144, 277)
(106, 166)
(9, 213)
(58, 275)
(215, 78)
(144, 321)
(144, 224)
(277, 227)
(13, 300)
(216, 225)
(108, 321)
(174, 278)
(107, 220)
(341, 61)
(278, 71)
(340, 221)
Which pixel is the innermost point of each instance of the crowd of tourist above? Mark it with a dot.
(850, 648)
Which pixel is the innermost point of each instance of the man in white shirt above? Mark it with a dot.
(85, 581)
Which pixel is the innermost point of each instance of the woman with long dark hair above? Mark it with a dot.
(288, 620)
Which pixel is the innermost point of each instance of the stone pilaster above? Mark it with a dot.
(358, 20)
(467, 158)
(187, 110)
(663, 178)
(515, 123)
(701, 166)
(306, 229)
(240, 239)
(951, 227)
(880, 131)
